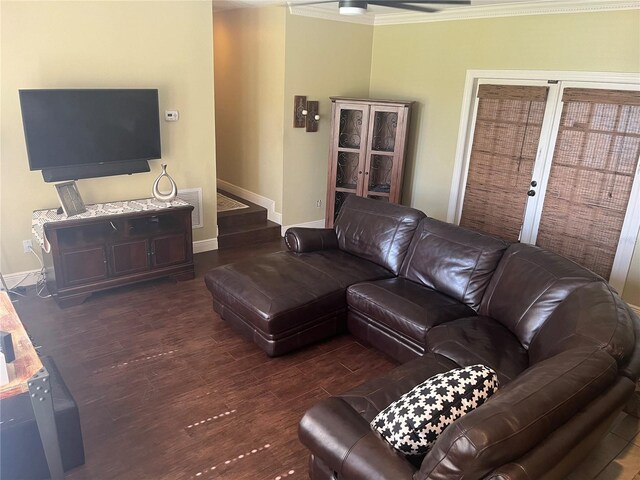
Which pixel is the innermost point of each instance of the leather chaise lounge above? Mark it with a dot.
(286, 300)
(436, 297)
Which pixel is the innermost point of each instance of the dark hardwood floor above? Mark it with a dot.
(167, 390)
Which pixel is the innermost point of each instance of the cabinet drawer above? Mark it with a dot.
(84, 265)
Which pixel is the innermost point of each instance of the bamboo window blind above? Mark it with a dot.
(505, 144)
(593, 168)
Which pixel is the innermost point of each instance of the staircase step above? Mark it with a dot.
(244, 216)
(248, 234)
(245, 226)
(255, 214)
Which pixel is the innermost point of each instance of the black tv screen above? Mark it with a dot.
(72, 134)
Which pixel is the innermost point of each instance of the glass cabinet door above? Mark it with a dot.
(382, 156)
(348, 153)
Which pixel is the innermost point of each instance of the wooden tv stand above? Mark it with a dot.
(114, 244)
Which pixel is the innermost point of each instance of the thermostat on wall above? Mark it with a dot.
(171, 115)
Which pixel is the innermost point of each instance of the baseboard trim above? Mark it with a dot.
(265, 202)
(12, 279)
(207, 245)
(313, 224)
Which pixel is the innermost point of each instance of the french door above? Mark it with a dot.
(555, 164)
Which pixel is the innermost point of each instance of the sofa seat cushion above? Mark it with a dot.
(371, 397)
(404, 307)
(473, 340)
(281, 293)
(412, 423)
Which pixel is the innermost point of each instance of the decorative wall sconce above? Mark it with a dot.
(299, 106)
(305, 113)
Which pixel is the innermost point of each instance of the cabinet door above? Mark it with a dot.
(129, 257)
(169, 250)
(83, 265)
(347, 155)
(383, 168)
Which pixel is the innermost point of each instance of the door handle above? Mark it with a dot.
(531, 193)
(534, 183)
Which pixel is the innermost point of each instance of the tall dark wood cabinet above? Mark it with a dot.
(366, 156)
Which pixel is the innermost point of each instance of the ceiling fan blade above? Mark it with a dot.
(405, 6)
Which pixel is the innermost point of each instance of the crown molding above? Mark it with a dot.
(546, 7)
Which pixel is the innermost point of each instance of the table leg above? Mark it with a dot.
(42, 401)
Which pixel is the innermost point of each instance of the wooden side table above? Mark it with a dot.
(31, 376)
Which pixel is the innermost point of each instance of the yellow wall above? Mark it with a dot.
(249, 64)
(59, 44)
(428, 63)
(323, 58)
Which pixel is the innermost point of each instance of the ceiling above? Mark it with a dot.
(377, 15)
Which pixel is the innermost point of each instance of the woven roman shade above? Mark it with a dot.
(505, 144)
(594, 164)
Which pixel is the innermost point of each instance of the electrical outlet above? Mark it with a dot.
(27, 245)
(318, 203)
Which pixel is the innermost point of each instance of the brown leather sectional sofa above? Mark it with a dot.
(436, 297)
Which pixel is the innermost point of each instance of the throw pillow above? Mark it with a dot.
(412, 423)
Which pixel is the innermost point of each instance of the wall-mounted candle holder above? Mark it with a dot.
(305, 113)
(312, 116)
(299, 106)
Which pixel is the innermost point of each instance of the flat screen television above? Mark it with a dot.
(84, 133)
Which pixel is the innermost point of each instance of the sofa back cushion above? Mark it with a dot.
(592, 314)
(528, 286)
(453, 260)
(376, 231)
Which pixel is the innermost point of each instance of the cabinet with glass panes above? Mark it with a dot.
(367, 151)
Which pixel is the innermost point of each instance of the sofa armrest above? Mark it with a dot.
(301, 240)
(347, 444)
(551, 457)
(520, 415)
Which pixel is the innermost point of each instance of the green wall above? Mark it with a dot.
(323, 58)
(428, 63)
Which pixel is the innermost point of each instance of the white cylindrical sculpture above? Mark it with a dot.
(164, 197)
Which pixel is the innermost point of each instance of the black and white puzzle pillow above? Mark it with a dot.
(412, 423)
